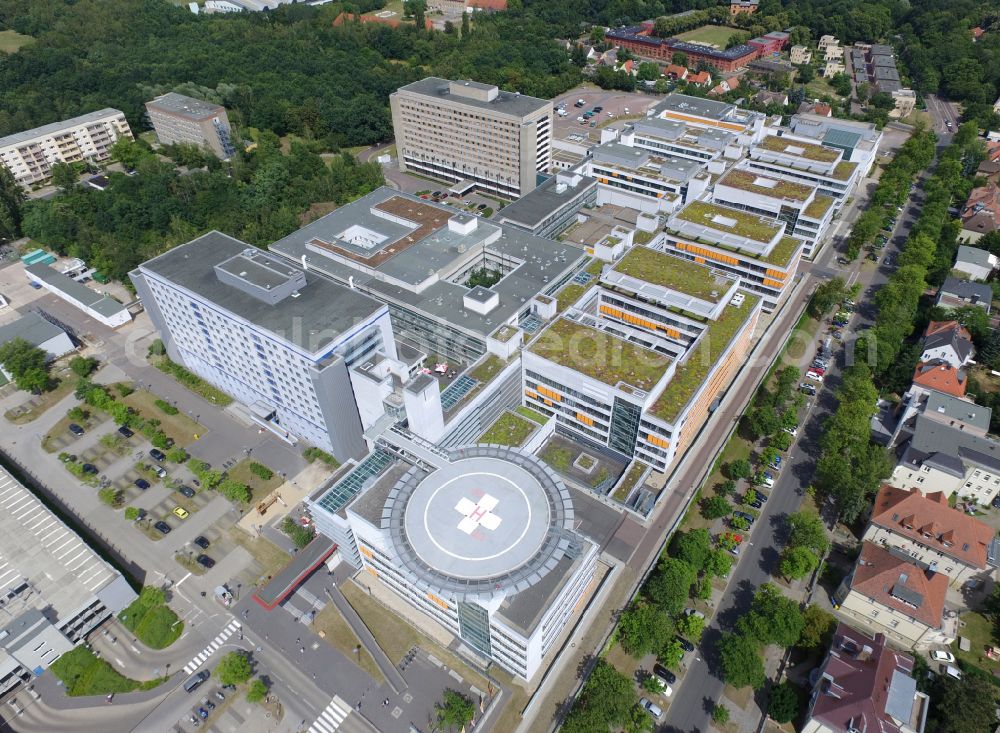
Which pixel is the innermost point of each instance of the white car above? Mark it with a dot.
(792, 431)
(940, 655)
(816, 376)
(950, 671)
(768, 480)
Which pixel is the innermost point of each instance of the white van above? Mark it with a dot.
(652, 708)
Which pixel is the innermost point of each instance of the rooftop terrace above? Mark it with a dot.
(600, 355)
(684, 276)
(751, 182)
(693, 373)
(818, 207)
(731, 221)
(807, 150)
(844, 170)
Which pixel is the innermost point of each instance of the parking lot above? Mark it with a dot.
(615, 106)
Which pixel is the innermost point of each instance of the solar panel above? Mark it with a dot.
(582, 278)
(348, 487)
(456, 391)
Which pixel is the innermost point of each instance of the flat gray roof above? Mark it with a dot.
(685, 104)
(518, 105)
(939, 403)
(974, 256)
(967, 290)
(323, 310)
(184, 106)
(32, 328)
(35, 546)
(948, 448)
(534, 207)
(664, 165)
(103, 304)
(421, 272)
(54, 127)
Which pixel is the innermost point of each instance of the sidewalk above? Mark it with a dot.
(385, 665)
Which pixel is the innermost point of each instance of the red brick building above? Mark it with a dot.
(637, 39)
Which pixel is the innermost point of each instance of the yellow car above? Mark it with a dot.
(180, 512)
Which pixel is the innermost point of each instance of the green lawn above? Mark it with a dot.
(151, 620)
(508, 429)
(12, 41)
(84, 674)
(180, 428)
(193, 382)
(979, 631)
(716, 35)
(260, 487)
(531, 414)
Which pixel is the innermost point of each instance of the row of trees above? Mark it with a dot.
(26, 364)
(893, 188)
(805, 546)
(897, 302)
(260, 198)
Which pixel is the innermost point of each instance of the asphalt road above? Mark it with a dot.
(702, 687)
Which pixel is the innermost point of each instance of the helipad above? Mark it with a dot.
(487, 519)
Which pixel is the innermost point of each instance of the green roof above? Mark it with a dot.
(600, 355)
(508, 429)
(731, 221)
(844, 170)
(798, 147)
(692, 374)
(747, 181)
(684, 276)
(818, 207)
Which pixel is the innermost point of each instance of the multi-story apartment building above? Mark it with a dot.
(753, 248)
(933, 535)
(57, 589)
(807, 214)
(30, 155)
(177, 118)
(859, 141)
(676, 139)
(276, 337)
(637, 364)
(639, 39)
(419, 257)
(636, 178)
(864, 685)
(889, 594)
(747, 125)
(467, 131)
(944, 457)
(801, 160)
(479, 540)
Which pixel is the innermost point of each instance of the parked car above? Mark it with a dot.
(89, 468)
(125, 432)
(157, 455)
(757, 503)
(160, 471)
(219, 696)
(685, 644)
(180, 512)
(744, 516)
(208, 703)
(651, 707)
(776, 463)
(768, 480)
(205, 561)
(142, 483)
(202, 713)
(598, 109)
(71, 458)
(76, 429)
(941, 655)
(201, 542)
(814, 375)
(794, 432)
(808, 389)
(186, 491)
(162, 527)
(951, 671)
(664, 674)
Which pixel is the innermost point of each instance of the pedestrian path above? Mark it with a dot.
(208, 651)
(331, 718)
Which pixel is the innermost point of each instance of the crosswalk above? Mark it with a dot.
(208, 651)
(331, 718)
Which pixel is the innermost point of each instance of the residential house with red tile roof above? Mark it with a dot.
(490, 6)
(941, 376)
(726, 85)
(675, 71)
(889, 593)
(863, 685)
(700, 78)
(947, 341)
(981, 213)
(931, 534)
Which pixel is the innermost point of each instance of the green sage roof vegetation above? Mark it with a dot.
(748, 181)
(810, 151)
(743, 224)
(600, 355)
(818, 207)
(692, 374)
(684, 276)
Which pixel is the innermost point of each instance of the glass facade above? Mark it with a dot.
(474, 627)
(624, 426)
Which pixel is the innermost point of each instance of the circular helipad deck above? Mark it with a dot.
(489, 519)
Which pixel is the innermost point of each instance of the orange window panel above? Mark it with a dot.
(776, 274)
(366, 552)
(548, 402)
(658, 441)
(371, 570)
(700, 260)
(531, 394)
(773, 283)
(584, 419)
(434, 599)
(549, 393)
